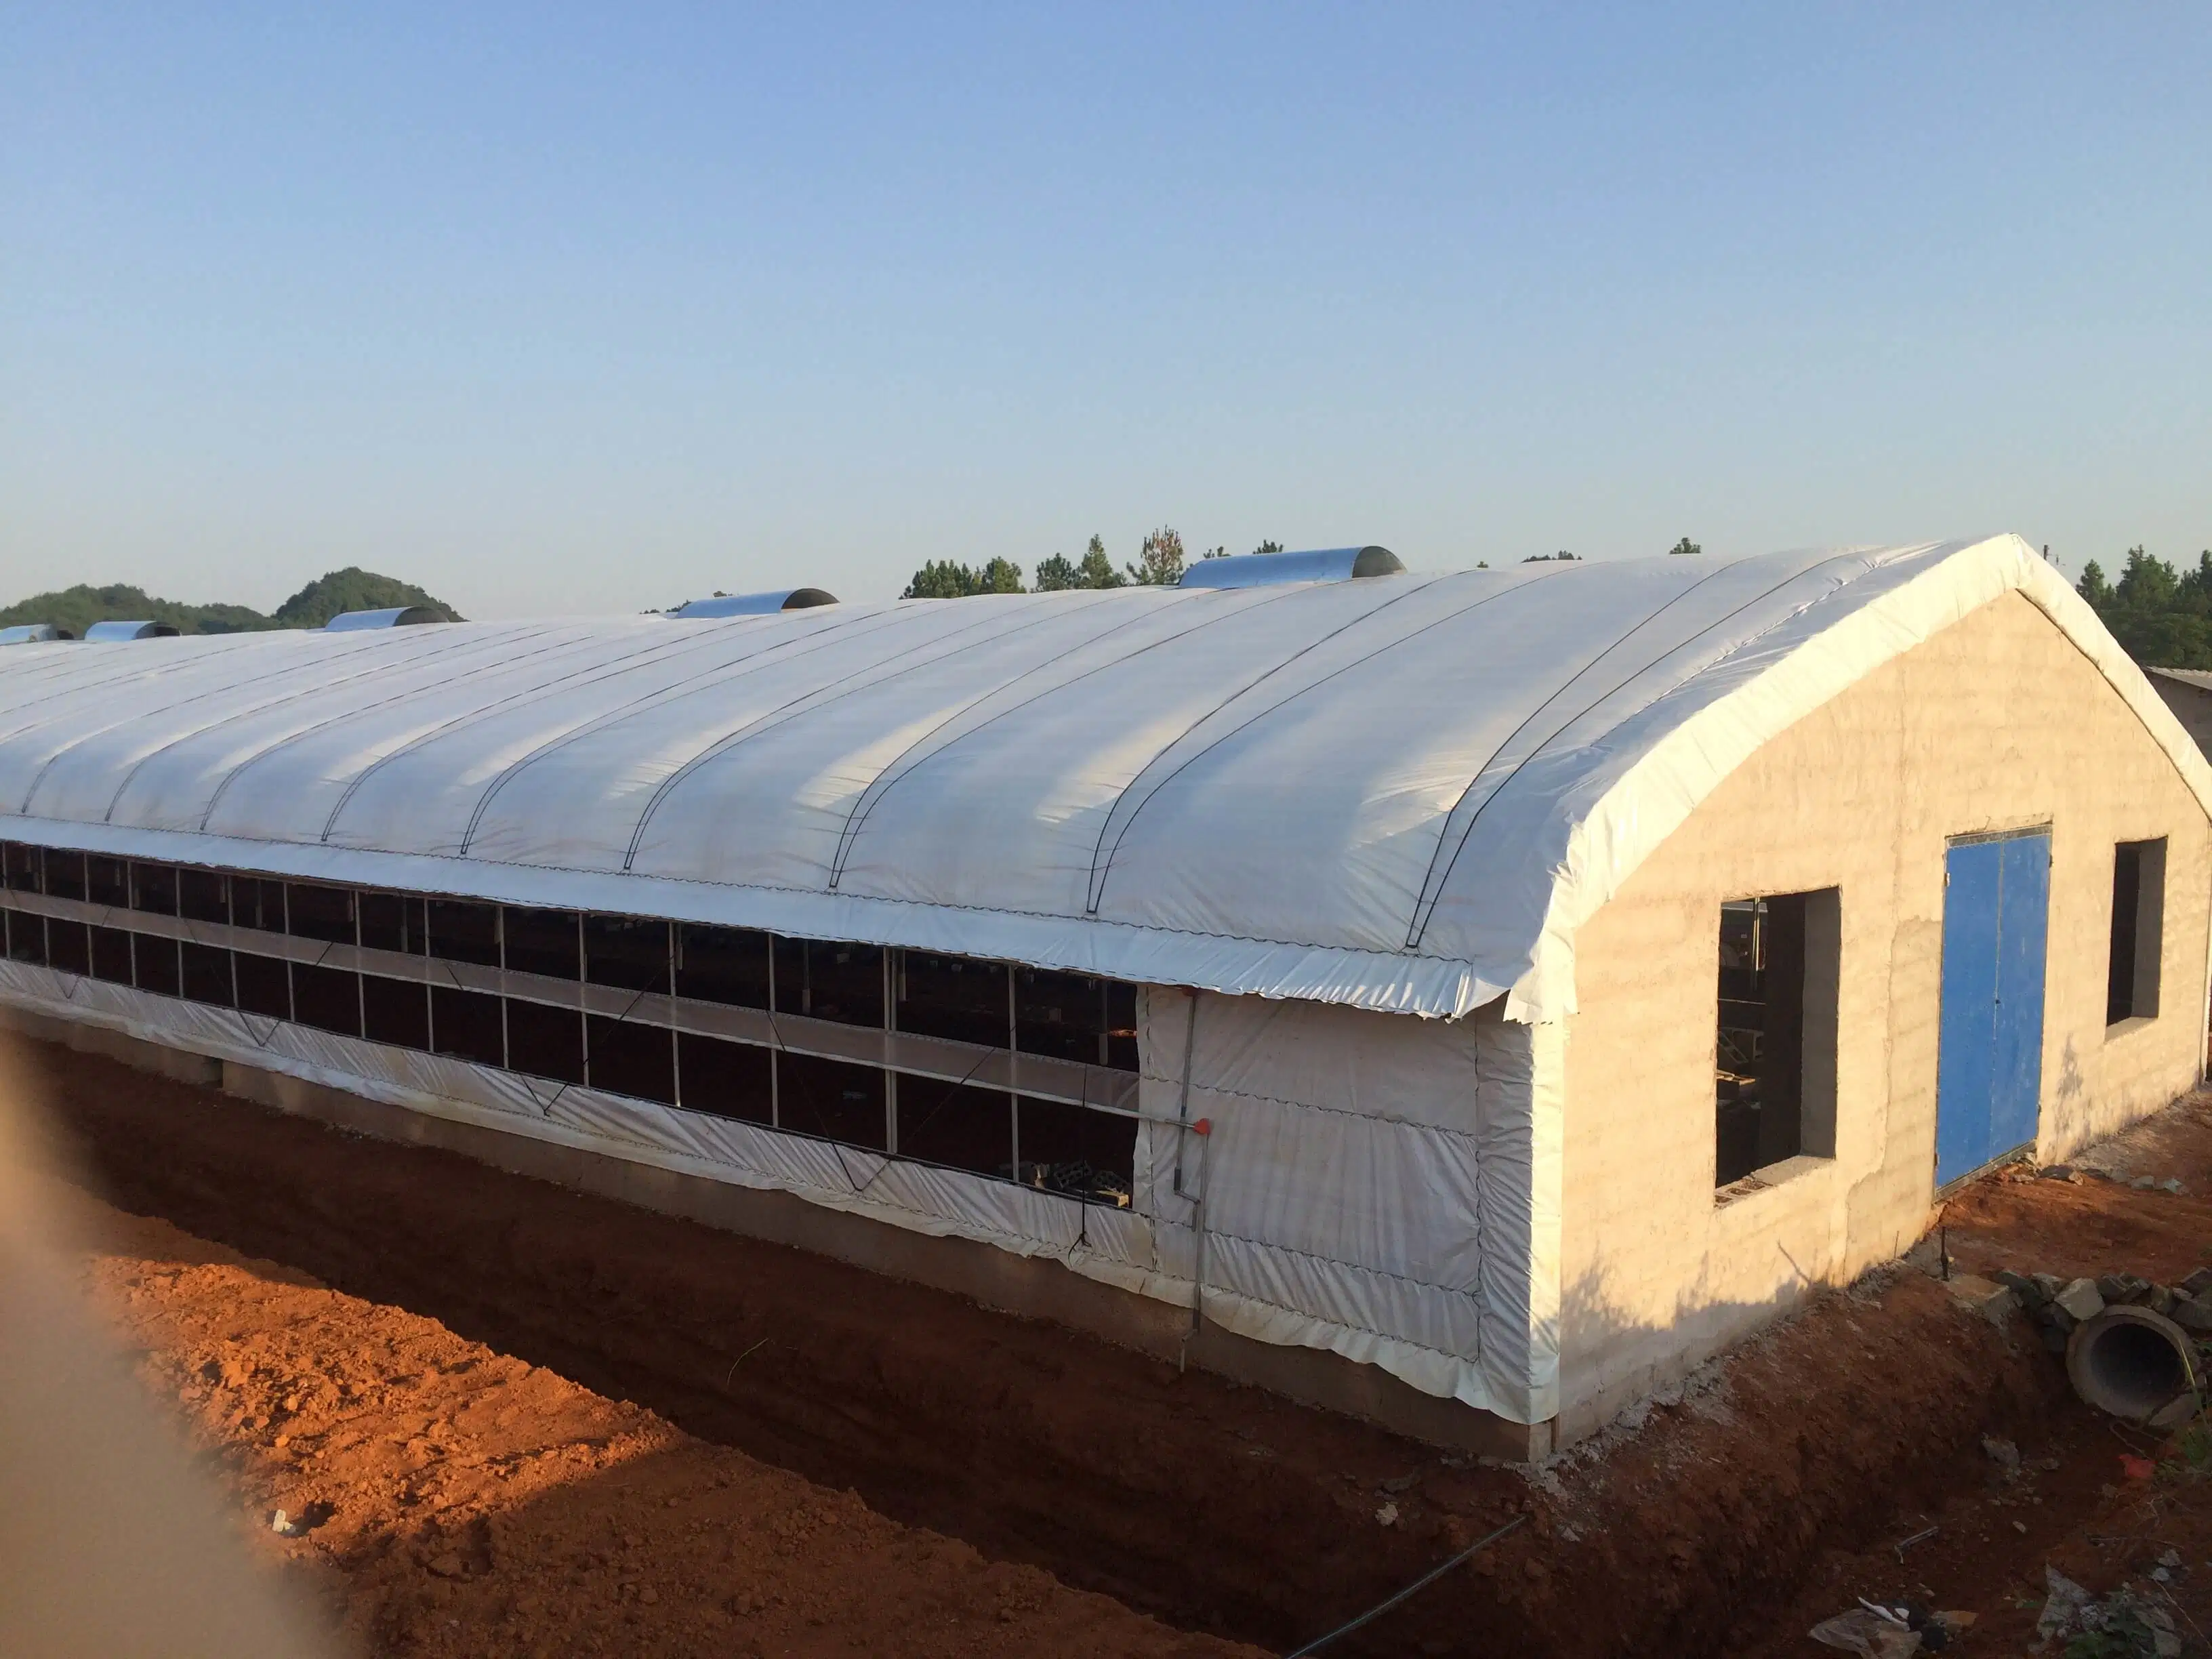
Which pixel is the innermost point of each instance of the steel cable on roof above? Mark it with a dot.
(894, 772)
(1432, 886)
(820, 697)
(1102, 857)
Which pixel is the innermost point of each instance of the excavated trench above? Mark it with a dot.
(1213, 1506)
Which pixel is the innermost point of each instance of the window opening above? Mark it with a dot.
(1064, 1015)
(547, 942)
(830, 981)
(1072, 1149)
(328, 999)
(733, 1080)
(395, 1011)
(65, 875)
(107, 881)
(954, 997)
(545, 1041)
(22, 866)
(157, 965)
(257, 904)
(316, 912)
(263, 986)
(627, 1057)
(830, 1099)
(154, 888)
(207, 975)
(466, 1024)
(1773, 1068)
(956, 1125)
(110, 955)
(729, 965)
(628, 952)
(2138, 930)
(203, 896)
(396, 922)
(461, 932)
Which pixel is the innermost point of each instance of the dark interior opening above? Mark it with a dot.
(19, 867)
(157, 966)
(1064, 1015)
(207, 975)
(626, 1057)
(69, 946)
(154, 888)
(955, 997)
(830, 981)
(1773, 1063)
(27, 937)
(466, 1024)
(328, 999)
(257, 903)
(110, 955)
(545, 1041)
(954, 1124)
(395, 1011)
(829, 1098)
(628, 952)
(396, 922)
(319, 912)
(2138, 931)
(546, 942)
(203, 896)
(726, 1079)
(265, 986)
(1086, 1154)
(461, 932)
(65, 875)
(728, 965)
(107, 881)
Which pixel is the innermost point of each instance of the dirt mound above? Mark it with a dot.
(442, 1498)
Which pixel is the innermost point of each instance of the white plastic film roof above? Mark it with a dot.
(1401, 793)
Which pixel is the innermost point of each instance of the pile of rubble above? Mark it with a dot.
(2057, 1306)
(2126, 1624)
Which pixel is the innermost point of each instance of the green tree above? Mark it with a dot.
(352, 589)
(945, 579)
(1160, 561)
(2162, 616)
(1097, 570)
(1269, 547)
(1685, 546)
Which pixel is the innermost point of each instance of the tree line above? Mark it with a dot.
(1160, 563)
(2162, 615)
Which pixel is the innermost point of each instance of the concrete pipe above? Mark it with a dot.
(2131, 1362)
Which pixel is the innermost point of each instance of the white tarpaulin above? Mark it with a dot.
(1400, 793)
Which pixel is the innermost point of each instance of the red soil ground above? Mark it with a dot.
(1763, 1499)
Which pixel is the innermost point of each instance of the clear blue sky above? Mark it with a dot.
(558, 310)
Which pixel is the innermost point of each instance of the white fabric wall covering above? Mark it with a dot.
(1401, 794)
(1365, 1187)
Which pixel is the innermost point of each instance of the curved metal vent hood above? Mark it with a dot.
(1328, 564)
(33, 634)
(110, 631)
(401, 616)
(756, 605)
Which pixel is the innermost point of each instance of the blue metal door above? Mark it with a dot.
(1989, 1086)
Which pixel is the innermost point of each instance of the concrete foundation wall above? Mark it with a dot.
(1997, 723)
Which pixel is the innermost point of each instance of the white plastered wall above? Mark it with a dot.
(1998, 721)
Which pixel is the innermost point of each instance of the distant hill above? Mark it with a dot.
(350, 589)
